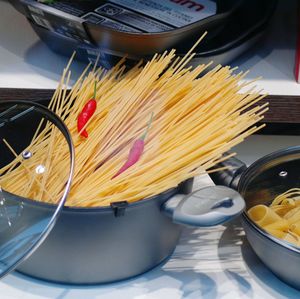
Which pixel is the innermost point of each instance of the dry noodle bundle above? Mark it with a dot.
(196, 118)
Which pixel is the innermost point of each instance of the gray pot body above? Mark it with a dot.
(91, 246)
(282, 261)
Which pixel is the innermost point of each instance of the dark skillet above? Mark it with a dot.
(243, 29)
(135, 44)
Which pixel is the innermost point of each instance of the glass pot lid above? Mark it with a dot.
(32, 140)
(270, 176)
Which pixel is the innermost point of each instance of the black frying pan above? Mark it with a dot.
(228, 43)
(135, 44)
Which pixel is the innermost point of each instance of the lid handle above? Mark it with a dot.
(205, 207)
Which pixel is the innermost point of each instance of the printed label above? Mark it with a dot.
(177, 13)
(93, 18)
(134, 19)
(66, 7)
(75, 7)
(97, 19)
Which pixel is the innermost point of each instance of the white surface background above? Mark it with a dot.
(208, 263)
(25, 62)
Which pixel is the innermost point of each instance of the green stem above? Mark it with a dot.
(143, 137)
(95, 90)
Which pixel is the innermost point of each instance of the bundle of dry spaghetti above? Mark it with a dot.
(196, 119)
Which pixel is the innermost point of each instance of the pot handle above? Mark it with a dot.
(208, 206)
(229, 177)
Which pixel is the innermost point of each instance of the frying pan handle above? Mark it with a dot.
(205, 207)
(229, 177)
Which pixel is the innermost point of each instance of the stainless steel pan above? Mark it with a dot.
(260, 183)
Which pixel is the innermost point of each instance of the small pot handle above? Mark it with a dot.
(229, 177)
(205, 207)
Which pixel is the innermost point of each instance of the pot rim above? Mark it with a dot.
(265, 234)
(71, 209)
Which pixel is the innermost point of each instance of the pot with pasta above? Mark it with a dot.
(271, 220)
(140, 136)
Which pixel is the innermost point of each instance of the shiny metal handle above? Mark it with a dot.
(205, 207)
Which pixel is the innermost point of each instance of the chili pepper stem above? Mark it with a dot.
(143, 137)
(95, 90)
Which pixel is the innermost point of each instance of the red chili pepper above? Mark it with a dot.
(135, 152)
(86, 113)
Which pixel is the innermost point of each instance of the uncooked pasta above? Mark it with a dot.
(197, 116)
(282, 217)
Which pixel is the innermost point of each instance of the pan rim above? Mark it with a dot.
(73, 209)
(270, 237)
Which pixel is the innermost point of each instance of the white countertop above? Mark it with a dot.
(208, 263)
(25, 62)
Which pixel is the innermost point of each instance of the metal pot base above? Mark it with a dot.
(154, 268)
(94, 246)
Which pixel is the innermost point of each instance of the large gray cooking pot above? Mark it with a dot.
(106, 244)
